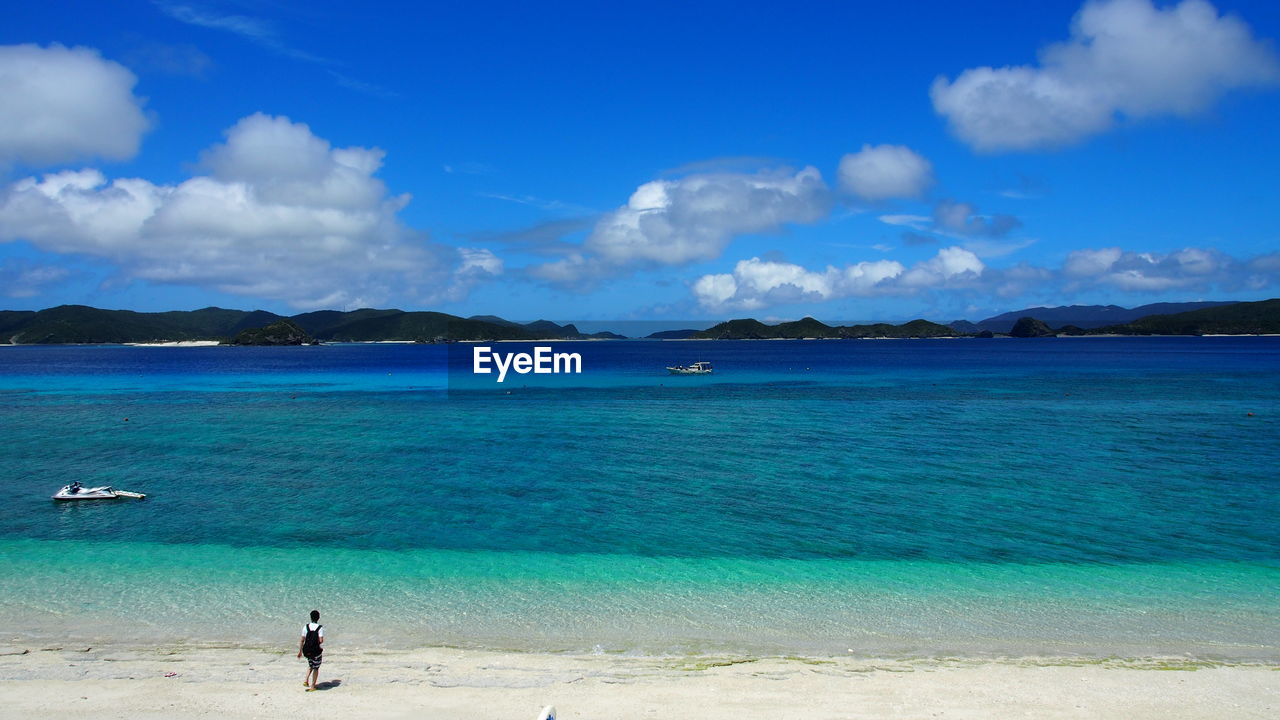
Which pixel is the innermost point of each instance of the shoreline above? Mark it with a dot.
(183, 681)
(218, 343)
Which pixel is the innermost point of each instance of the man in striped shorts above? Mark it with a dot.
(312, 646)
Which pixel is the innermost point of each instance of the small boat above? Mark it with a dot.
(698, 368)
(76, 491)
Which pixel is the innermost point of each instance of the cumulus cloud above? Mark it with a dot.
(1017, 280)
(281, 215)
(676, 222)
(477, 264)
(1088, 263)
(1189, 267)
(63, 104)
(883, 172)
(948, 265)
(756, 283)
(1125, 58)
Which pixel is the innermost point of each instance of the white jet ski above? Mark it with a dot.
(76, 491)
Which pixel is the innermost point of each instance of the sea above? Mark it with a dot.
(1055, 497)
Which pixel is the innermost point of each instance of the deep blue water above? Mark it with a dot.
(1083, 495)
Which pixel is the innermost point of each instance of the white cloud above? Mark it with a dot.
(1018, 280)
(757, 283)
(281, 215)
(1191, 272)
(715, 290)
(1189, 267)
(62, 104)
(1125, 58)
(882, 172)
(479, 261)
(575, 270)
(949, 264)
(1086, 263)
(676, 222)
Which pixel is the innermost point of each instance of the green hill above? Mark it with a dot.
(1030, 327)
(673, 334)
(322, 322)
(750, 329)
(494, 319)
(83, 324)
(1242, 318)
(548, 329)
(1246, 318)
(425, 326)
(372, 325)
(747, 329)
(12, 320)
(805, 327)
(280, 332)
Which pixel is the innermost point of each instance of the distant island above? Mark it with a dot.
(71, 324)
(1245, 318)
(67, 324)
(808, 328)
(1082, 316)
(672, 335)
(1204, 318)
(280, 332)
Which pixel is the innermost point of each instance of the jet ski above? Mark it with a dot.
(76, 491)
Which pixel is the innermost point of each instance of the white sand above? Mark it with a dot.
(231, 684)
(178, 343)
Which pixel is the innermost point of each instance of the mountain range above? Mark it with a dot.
(751, 329)
(1087, 317)
(83, 324)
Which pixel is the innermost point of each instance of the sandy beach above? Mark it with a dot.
(178, 343)
(230, 683)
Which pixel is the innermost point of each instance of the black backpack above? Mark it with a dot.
(311, 646)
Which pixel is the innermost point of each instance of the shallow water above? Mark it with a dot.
(1083, 496)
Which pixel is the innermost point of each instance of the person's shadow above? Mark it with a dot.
(328, 684)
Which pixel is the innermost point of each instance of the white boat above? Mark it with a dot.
(76, 491)
(698, 368)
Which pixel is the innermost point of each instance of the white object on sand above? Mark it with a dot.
(548, 713)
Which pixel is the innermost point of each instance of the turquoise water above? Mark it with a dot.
(1083, 497)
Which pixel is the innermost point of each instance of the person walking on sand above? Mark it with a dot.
(312, 646)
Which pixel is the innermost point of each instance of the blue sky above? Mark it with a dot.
(850, 161)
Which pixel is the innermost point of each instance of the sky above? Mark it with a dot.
(851, 161)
